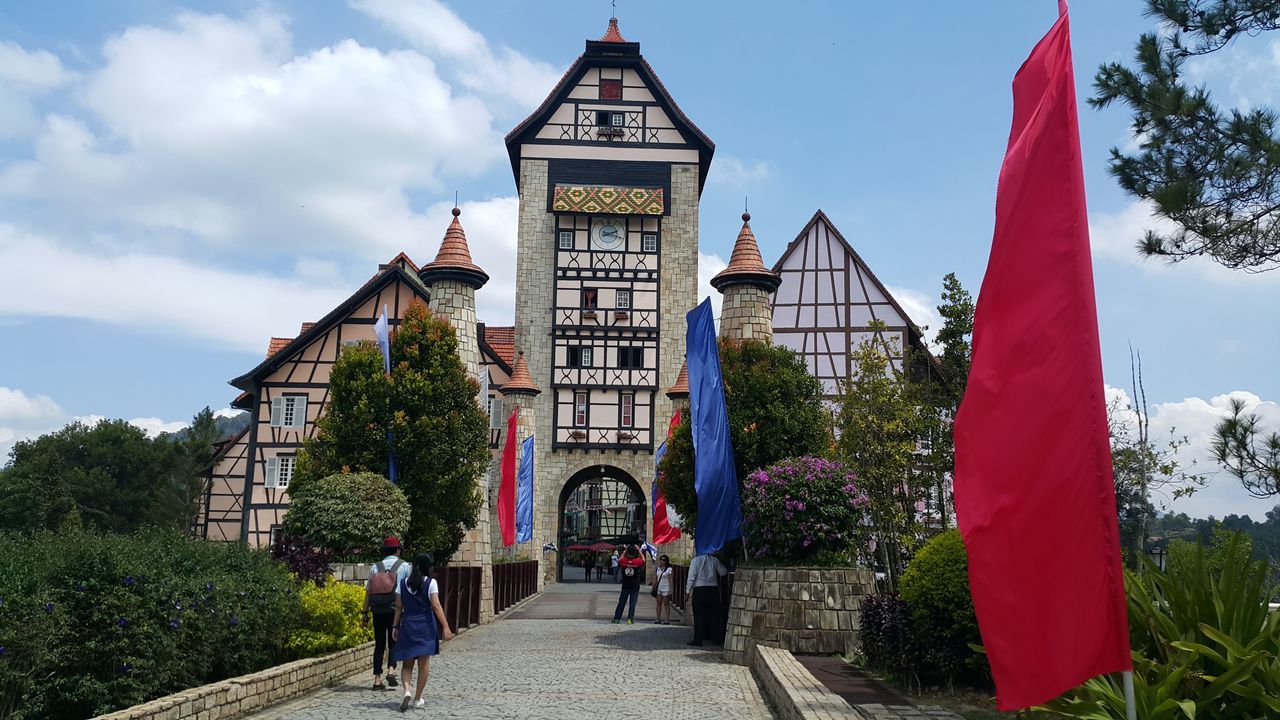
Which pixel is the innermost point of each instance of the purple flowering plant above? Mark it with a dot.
(803, 509)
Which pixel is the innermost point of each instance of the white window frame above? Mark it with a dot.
(649, 242)
(495, 411)
(581, 403)
(280, 469)
(622, 300)
(615, 119)
(289, 411)
(565, 235)
(627, 414)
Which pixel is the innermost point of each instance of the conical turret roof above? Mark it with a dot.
(745, 265)
(680, 390)
(454, 259)
(521, 382)
(612, 34)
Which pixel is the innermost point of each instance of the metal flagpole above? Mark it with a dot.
(1130, 707)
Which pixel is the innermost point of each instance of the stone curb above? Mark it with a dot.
(247, 694)
(793, 691)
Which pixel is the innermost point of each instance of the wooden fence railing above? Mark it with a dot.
(460, 595)
(680, 597)
(513, 582)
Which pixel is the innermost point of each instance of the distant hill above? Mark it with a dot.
(227, 426)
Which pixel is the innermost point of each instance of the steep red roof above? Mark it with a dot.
(521, 381)
(745, 265)
(612, 34)
(503, 341)
(680, 389)
(454, 258)
(277, 344)
(405, 258)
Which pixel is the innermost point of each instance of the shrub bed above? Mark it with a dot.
(803, 510)
(330, 619)
(90, 624)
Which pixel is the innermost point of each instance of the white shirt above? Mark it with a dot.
(664, 580)
(402, 572)
(432, 589)
(704, 571)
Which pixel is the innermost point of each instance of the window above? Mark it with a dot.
(615, 119)
(279, 471)
(590, 296)
(631, 357)
(579, 409)
(609, 119)
(624, 300)
(580, 356)
(610, 89)
(649, 242)
(628, 409)
(566, 239)
(495, 411)
(289, 411)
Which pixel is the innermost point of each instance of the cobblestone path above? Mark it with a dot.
(557, 670)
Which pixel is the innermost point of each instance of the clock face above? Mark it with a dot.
(608, 234)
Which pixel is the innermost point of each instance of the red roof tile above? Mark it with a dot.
(306, 326)
(503, 341)
(454, 256)
(612, 34)
(746, 265)
(681, 387)
(521, 381)
(277, 344)
(412, 266)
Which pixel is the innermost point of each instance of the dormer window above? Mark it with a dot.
(610, 89)
(607, 119)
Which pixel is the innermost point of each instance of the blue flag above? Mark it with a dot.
(714, 476)
(381, 331)
(657, 462)
(524, 492)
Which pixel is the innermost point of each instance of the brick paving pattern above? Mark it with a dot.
(554, 670)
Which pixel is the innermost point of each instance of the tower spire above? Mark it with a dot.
(454, 259)
(613, 34)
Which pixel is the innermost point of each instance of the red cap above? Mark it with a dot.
(391, 542)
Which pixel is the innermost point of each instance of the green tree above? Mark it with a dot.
(347, 513)
(429, 404)
(776, 411)
(880, 423)
(1215, 174)
(955, 336)
(1244, 447)
(108, 476)
(194, 446)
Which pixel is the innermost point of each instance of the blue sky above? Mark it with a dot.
(179, 183)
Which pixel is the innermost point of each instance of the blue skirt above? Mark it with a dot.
(419, 629)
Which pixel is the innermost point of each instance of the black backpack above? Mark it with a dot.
(382, 587)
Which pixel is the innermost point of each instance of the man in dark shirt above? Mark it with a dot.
(631, 571)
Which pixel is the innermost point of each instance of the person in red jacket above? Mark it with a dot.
(631, 570)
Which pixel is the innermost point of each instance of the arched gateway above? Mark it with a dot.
(600, 503)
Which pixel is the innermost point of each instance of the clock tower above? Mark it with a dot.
(609, 171)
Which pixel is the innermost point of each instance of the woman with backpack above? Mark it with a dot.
(419, 627)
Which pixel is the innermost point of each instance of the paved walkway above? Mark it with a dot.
(558, 669)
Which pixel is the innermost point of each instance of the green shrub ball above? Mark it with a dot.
(348, 514)
(936, 587)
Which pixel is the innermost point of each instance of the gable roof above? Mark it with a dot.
(500, 342)
(385, 276)
(610, 52)
(820, 217)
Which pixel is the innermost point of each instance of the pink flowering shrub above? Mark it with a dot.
(804, 509)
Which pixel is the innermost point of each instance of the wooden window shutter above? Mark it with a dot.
(273, 472)
(299, 411)
(277, 411)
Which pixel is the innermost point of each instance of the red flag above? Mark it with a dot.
(507, 488)
(1035, 498)
(662, 530)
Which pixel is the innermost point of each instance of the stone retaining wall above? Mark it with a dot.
(793, 691)
(803, 610)
(248, 694)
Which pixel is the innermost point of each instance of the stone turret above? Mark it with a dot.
(747, 313)
(679, 392)
(453, 280)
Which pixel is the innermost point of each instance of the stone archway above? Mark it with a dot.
(599, 503)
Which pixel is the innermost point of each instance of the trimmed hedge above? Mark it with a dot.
(90, 624)
(936, 587)
(330, 619)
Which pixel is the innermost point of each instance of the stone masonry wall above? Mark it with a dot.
(535, 277)
(456, 301)
(746, 314)
(801, 610)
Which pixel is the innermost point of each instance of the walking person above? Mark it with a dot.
(589, 562)
(419, 627)
(613, 567)
(662, 589)
(704, 587)
(380, 602)
(630, 573)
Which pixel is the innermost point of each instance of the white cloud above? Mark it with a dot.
(23, 417)
(15, 405)
(24, 76)
(155, 426)
(709, 265)
(215, 136)
(1114, 237)
(730, 172)
(920, 309)
(436, 30)
(1195, 418)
